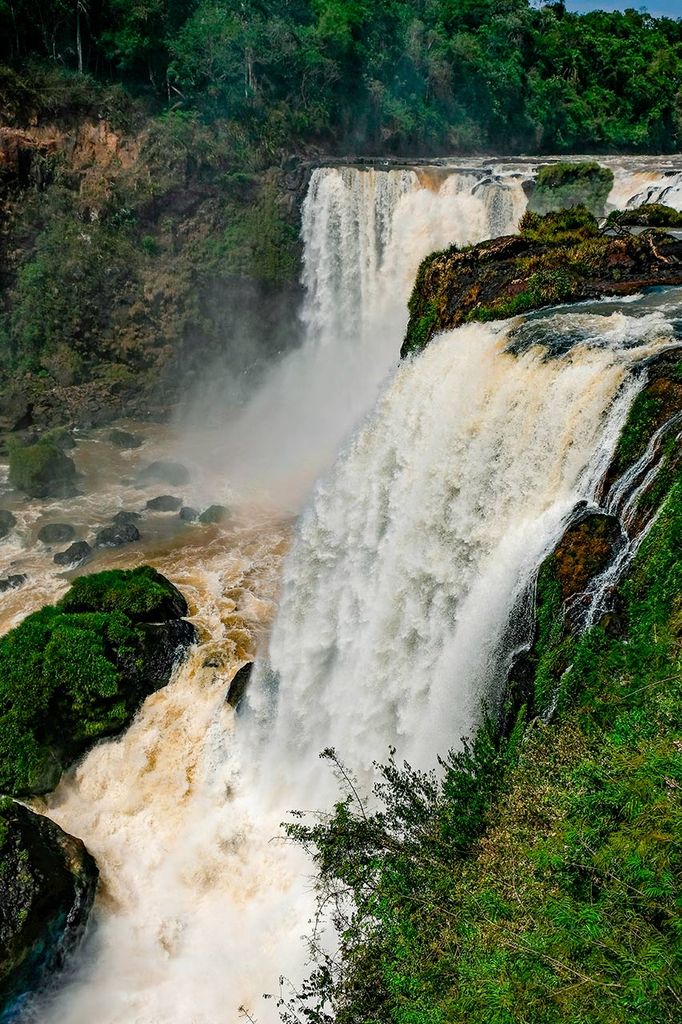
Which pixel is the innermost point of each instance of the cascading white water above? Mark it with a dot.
(365, 232)
(412, 555)
(395, 596)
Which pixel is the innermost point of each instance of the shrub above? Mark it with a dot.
(560, 185)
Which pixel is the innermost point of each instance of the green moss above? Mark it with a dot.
(650, 215)
(564, 225)
(566, 184)
(41, 470)
(420, 330)
(73, 673)
(142, 594)
(561, 903)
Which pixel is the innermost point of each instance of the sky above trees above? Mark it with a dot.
(659, 8)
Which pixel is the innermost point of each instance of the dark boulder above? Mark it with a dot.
(124, 439)
(116, 536)
(7, 522)
(188, 515)
(12, 582)
(124, 518)
(238, 686)
(214, 514)
(172, 473)
(42, 470)
(47, 887)
(56, 533)
(74, 554)
(164, 503)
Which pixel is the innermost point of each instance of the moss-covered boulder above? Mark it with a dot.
(41, 470)
(47, 886)
(554, 259)
(565, 184)
(648, 215)
(75, 672)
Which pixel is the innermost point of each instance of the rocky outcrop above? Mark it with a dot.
(47, 887)
(78, 671)
(559, 258)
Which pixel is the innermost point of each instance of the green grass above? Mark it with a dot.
(539, 881)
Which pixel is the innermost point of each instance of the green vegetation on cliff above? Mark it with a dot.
(539, 879)
(556, 258)
(75, 672)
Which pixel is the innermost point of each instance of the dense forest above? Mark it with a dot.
(447, 75)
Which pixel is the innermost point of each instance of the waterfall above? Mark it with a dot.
(415, 549)
(364, 232)
(408, 558)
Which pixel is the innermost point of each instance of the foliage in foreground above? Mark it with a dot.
(540, 879)
(77, 671)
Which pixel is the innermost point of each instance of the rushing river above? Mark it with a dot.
(455, 473)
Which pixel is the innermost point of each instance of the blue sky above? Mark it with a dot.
(671, 8)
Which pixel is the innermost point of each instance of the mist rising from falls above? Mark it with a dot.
(364, 234)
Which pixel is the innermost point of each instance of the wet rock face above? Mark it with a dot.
(214, 514)
(116, 536)
(587, 547)
(165, 472)
(238, 686)
(164, 503)
(188, 514)
(56, 533)
(124, 518)
(47, 887)
(123, 439)
(12, 582)
(555, 259)
(74, 554)
(7, 522)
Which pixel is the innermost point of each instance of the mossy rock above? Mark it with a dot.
(73, 673)
(214, 514)
(142, 595)
(47, 887)
(557, 258)
(561, 185)
(648, 215)
(41, 470)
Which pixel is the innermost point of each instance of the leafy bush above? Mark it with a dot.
(572, 184)
(650, 215)
(560, 226)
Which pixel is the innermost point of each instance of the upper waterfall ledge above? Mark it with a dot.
(561, 257)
